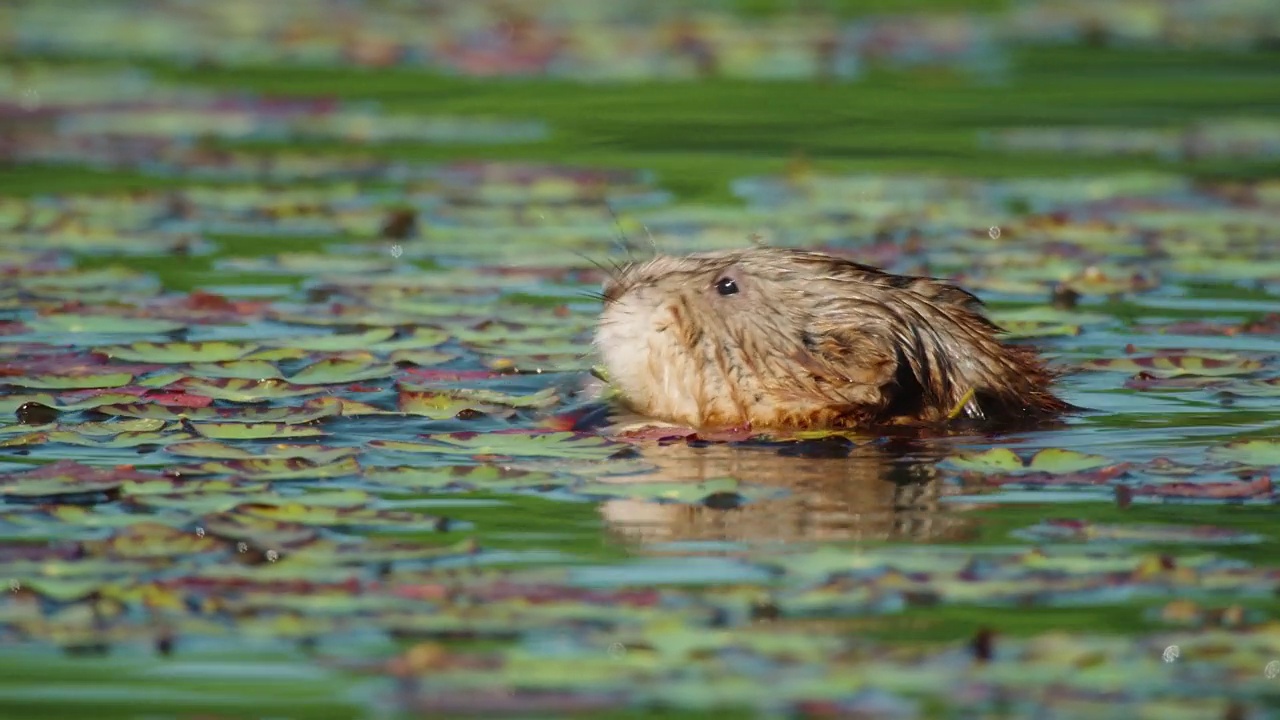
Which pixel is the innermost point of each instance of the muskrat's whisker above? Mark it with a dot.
(652, 243)
(622, 238)
(612, 273)
(593, 294)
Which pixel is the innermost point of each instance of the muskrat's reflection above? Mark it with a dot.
(878, 492)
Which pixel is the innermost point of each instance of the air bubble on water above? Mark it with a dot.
(242, 547)
(994, 232)
(396, 251)
(272, 555)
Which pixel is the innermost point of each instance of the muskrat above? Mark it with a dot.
(773, 338)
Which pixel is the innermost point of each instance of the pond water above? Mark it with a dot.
(298, 415)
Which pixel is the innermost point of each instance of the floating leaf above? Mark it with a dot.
(239, 369)
(1258, 453)
(1083, 531)
(304, 514)
(484, 478)
(180, 352)
(312, 410)
(1049, 460)
(275, 468)
(334, 371)
(223, 451)
(255, 431)
(71, 382)
(246, 391)
(1171, 365)
(565, 445)
(336, 343)
(66, 477)
(70, 323)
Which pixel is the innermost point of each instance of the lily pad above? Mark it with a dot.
(180, 352)
(566, 445)
(1257, 453)
(1049, 460)
(1171, 365)
(334, 371)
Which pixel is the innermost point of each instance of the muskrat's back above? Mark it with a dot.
(779, 338)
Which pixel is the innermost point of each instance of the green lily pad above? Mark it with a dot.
(71, 382)
(1258, 453)
(565, 445)
(336, 343)
(106, 324)
(419, 339)
(1173, 365)
(276, 468)
(1049, 460)
(1032, 329)
(421, 358)
(10, 403)
(213, 502)
(239, 369)
(340, 371)
(255, 431)
(223, 451)
(305, 514)
(119, 440)
(461, 478)
(180, 352)
(310, 411)
(246, 391)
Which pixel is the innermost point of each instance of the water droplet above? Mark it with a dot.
(199, 532)
(242, 547)
(396, 251)
(1271, 670)
(14, 586)
(1171, 653)
(272, 555)
(994, 232)
(617, 650)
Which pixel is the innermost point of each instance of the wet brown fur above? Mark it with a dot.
(810, 340)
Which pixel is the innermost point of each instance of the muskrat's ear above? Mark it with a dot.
(845, 357)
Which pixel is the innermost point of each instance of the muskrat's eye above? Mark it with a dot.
(726, 286)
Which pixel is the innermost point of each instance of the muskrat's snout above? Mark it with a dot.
(769, 337)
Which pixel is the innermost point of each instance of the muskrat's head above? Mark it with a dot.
(688, 338)
(787, 338)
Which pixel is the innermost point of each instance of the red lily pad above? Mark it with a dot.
(67, 477)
